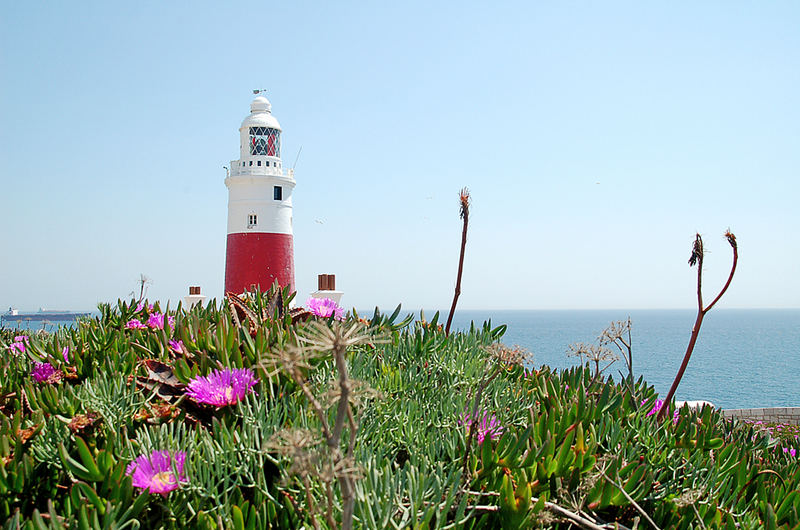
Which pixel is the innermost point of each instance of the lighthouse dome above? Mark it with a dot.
(261, 114)
(260, 104)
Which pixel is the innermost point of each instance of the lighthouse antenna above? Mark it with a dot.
(258, 91)
(297, 157)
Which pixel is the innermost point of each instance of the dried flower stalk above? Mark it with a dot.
(463, 198)
(318, 339)
(696, 258)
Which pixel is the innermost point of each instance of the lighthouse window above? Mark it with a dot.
(277, 193)
(252, 220)
(265, 141)
(259, 162)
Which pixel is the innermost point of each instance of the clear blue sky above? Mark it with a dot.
(596, 139)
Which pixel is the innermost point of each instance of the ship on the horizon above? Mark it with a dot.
(48, 315)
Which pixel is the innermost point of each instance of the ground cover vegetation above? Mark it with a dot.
(248, 414)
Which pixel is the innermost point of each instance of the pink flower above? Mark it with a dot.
(156, 321)
(134, 324)
(177, 346)
(222, 387)
(45, 373)
(657, 407)
(484, 425)
(790, 450)
(18, 346)
(156, 473)
(325, 307)
(65, 353)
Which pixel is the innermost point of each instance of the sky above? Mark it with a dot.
(596, 139)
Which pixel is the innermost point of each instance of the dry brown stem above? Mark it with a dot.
(463, 199)
(696, 258)
(337, 465)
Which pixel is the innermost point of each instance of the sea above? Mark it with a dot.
(744, 358)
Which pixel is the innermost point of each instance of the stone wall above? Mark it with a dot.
(775, 414)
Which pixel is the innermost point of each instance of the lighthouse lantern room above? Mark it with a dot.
(260, 248)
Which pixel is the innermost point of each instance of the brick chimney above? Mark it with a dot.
(326, 288)
(194, 297)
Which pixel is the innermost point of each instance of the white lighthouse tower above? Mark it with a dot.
(260, 247)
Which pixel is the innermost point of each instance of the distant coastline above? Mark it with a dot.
(41, 317)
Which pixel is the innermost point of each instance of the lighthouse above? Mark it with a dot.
(260, 248)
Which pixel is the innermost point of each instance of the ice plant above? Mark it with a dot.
(156, 321)
(176, 346)
(485, 425)
(18, 346)
(45, 373)
(222, 387)
(65, 353)
(134, 324)
(325, 307)
(657, 407)
(156, 473)
(791, 451)
(140, 306)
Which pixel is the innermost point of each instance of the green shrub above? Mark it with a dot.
(438, 431)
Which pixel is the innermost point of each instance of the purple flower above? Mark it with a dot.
(156, 321)
(139, 306)
(484, 425)
(325, 307)
(791, 450)
(65, 353)
(222, 387)
(18, 346)
(657, 406)
(45, 373)
(156, 473)
(134, 324)
(176, 346)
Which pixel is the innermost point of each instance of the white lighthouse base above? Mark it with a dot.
(193, 299)
(336, 296)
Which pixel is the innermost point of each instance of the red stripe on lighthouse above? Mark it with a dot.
(258, 259)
